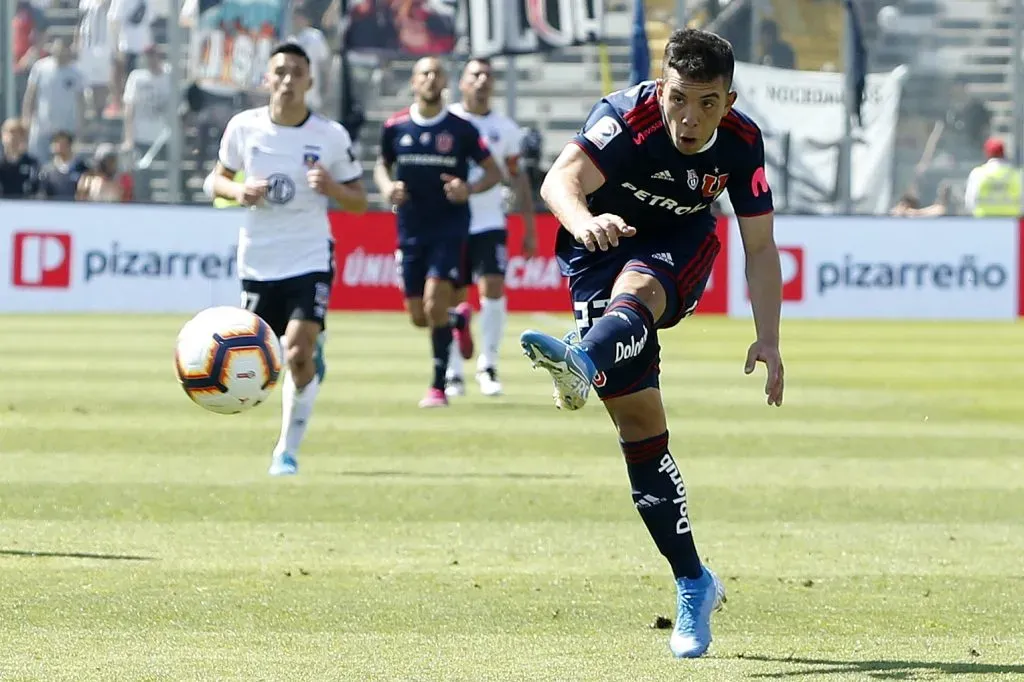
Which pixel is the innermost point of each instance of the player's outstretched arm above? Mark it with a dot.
(764, 279)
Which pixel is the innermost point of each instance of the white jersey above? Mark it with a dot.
(288, 234)
(504, 138)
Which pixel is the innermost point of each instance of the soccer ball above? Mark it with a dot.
(227, 359)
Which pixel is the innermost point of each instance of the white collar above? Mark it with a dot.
(414, 114)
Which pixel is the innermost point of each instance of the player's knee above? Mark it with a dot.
(299, 353)
(436, 311)
(418, 318)
(639, 415)
(645, 287)
(492, 286)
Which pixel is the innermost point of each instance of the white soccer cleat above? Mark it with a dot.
(454, 387)
(488, 380)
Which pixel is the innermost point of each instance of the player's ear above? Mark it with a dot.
(730, 100)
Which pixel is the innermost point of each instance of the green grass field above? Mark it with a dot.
(870, 529)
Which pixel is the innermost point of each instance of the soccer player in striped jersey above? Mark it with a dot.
(633, 193)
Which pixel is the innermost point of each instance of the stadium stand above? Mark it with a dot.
(958, 52)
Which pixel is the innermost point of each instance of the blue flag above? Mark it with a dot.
(640, 49)
(857, 60)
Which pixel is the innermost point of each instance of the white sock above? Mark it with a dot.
(296, 409)
(493, 314)
(454, 361)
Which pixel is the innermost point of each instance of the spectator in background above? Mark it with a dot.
(774, 50)
(910, 207)
(59, 177)
(19, 170)
(27, 28)
(104, 182)
(55, 99)
(95, 52)
(130, 30)
(315, 44)
(149, 103)
(993, 188)
(968, 117)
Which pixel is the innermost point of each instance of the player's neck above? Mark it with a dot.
(476, 108)
(428, 110)
(289, 116)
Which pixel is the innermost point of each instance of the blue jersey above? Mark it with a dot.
(663, 193)
(423, 150)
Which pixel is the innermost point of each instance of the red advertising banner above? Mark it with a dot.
(367, 278)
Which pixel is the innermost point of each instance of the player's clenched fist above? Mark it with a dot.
(398, 194)
(319, 179)
(253, 191)
(455, 189)
(602, 232)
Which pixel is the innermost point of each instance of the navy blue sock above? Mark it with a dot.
(660, 497)
(620, 334)
(456, 320)
(440, 342)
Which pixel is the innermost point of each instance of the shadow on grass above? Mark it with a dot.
(880, 670)
(74, 555)
(454, 475)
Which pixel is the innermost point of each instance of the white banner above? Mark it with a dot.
(898, 268)
(526, 26)
(57, 257)
(801, 114)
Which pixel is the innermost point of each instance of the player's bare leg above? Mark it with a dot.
(619, 335)
(417, 316)
(301, 385)
(493, 318)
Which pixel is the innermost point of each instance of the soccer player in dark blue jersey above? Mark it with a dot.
(633, 192)
(422, 170)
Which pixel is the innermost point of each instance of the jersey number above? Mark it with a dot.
(250, 301)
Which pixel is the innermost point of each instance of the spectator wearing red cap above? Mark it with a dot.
(993, 188)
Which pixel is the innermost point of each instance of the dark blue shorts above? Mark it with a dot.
(440, 258)
(682, 269)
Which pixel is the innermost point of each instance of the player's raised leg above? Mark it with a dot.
(615, 338)
(298, 393)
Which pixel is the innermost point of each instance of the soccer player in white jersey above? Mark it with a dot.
(486, 252)
(294, 161)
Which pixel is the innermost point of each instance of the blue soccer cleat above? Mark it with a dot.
(697, 598)
(284, 464)
(571, 370)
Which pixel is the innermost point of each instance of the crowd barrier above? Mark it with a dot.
(95, 258)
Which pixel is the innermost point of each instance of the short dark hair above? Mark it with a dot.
(291, 48)
(699, 55)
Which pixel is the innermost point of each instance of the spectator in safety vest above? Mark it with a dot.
(993, 188)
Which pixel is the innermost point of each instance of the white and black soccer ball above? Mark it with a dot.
(227, 359)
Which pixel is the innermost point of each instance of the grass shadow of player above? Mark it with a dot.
(881, 670)
(28, 553)
(452, 475)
